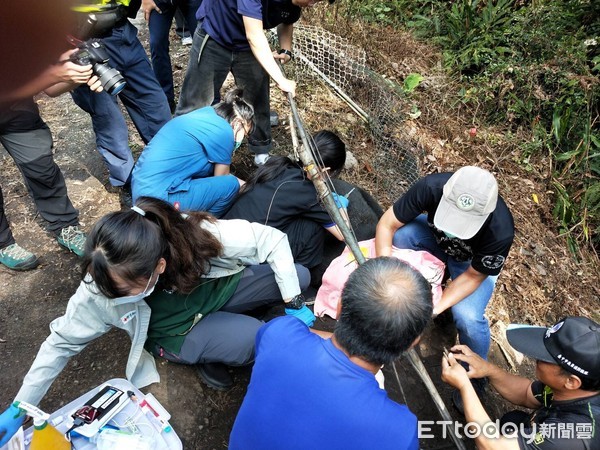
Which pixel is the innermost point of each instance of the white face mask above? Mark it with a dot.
(137, 297)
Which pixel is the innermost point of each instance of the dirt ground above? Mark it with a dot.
(540, 283)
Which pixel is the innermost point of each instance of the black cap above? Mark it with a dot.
(573, 343)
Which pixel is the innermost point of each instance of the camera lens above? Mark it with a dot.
(111, 79)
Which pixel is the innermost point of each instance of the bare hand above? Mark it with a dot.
(282, 57)
(478, 367)
(94, 84)
(454, 373)
(288, 86)
(148, 6)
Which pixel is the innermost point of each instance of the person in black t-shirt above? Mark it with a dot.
(280, 194)
(566, 399)
(460, 219)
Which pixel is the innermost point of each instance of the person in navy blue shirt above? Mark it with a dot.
(230, 38)
(311, 389)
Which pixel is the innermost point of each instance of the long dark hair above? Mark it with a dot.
(129, 244)
(233, 106)
(332, 151)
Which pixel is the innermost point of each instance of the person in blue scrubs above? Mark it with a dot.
(187, 163)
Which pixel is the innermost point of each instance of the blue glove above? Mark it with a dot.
(304, 314)
(10, 421)
(341, 201)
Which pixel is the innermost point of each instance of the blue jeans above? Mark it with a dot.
(472, 326)
(207, 69)
(143, 98)
(160, 26)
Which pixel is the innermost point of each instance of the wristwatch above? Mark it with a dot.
(283, 51)
(296, 303)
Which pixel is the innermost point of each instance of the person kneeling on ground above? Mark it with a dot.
(460, 219)
(281, 194)
(188, 160)
(324, 390)
(208, 272)
(566, 398)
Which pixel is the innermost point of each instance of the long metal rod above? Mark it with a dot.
(318, 179)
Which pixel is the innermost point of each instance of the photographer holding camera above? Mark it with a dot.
(28, 140)
(111, 45)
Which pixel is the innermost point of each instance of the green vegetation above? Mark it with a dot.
(529, 65)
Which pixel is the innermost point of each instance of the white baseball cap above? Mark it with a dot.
(470, 196)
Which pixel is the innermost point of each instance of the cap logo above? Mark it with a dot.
(465, 202)
(553, 329)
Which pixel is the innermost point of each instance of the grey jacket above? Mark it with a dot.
(90, 314)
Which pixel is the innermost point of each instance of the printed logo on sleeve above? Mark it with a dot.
(493, 261)
(128, 317)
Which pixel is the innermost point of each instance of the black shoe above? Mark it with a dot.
(215, 375)
(479, 385)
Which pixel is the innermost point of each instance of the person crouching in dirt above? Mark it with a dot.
(325, 384)
(200, 269)
(188, 160)
(281, 194)
(565, 399)
(459, 218)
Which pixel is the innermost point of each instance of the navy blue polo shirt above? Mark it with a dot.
(223, 20)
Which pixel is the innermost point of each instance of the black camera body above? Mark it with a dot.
(93, 52)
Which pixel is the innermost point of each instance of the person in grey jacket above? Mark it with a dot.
(206, 272)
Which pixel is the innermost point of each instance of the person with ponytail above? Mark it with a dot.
(178, 285)
(280, 194)
(188, 160)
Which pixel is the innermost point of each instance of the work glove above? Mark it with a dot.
(10, 421)
(304, 314)
(340, 200)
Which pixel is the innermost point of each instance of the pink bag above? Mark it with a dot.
(341, 267)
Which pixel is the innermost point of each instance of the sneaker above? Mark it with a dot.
(73, 239)
(187, 40)
(261, 158)
(215, 375)
(16, 257)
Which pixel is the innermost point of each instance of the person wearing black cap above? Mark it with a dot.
(566, 396)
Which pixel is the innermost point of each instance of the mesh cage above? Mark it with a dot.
(329, 58)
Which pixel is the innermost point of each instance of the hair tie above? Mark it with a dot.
(139, 210)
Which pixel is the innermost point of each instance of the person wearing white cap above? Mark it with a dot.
(565, 397)
(459, 218)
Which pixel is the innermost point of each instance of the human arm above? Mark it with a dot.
(285, 33)
(513, 388)
(82, 322)
(221, 169)
(384, 233)
(253, 243)
(148, 6)
(455, 375)
(262, 52)
(342, 203)
(464, 285)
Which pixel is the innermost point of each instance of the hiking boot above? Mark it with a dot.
(73, 239)
(16, 257)
(215, 375)
(479, 385)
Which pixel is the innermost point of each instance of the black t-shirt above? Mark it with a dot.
(19, 116)
(279, 202)
(487, 250)
(563, 425)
